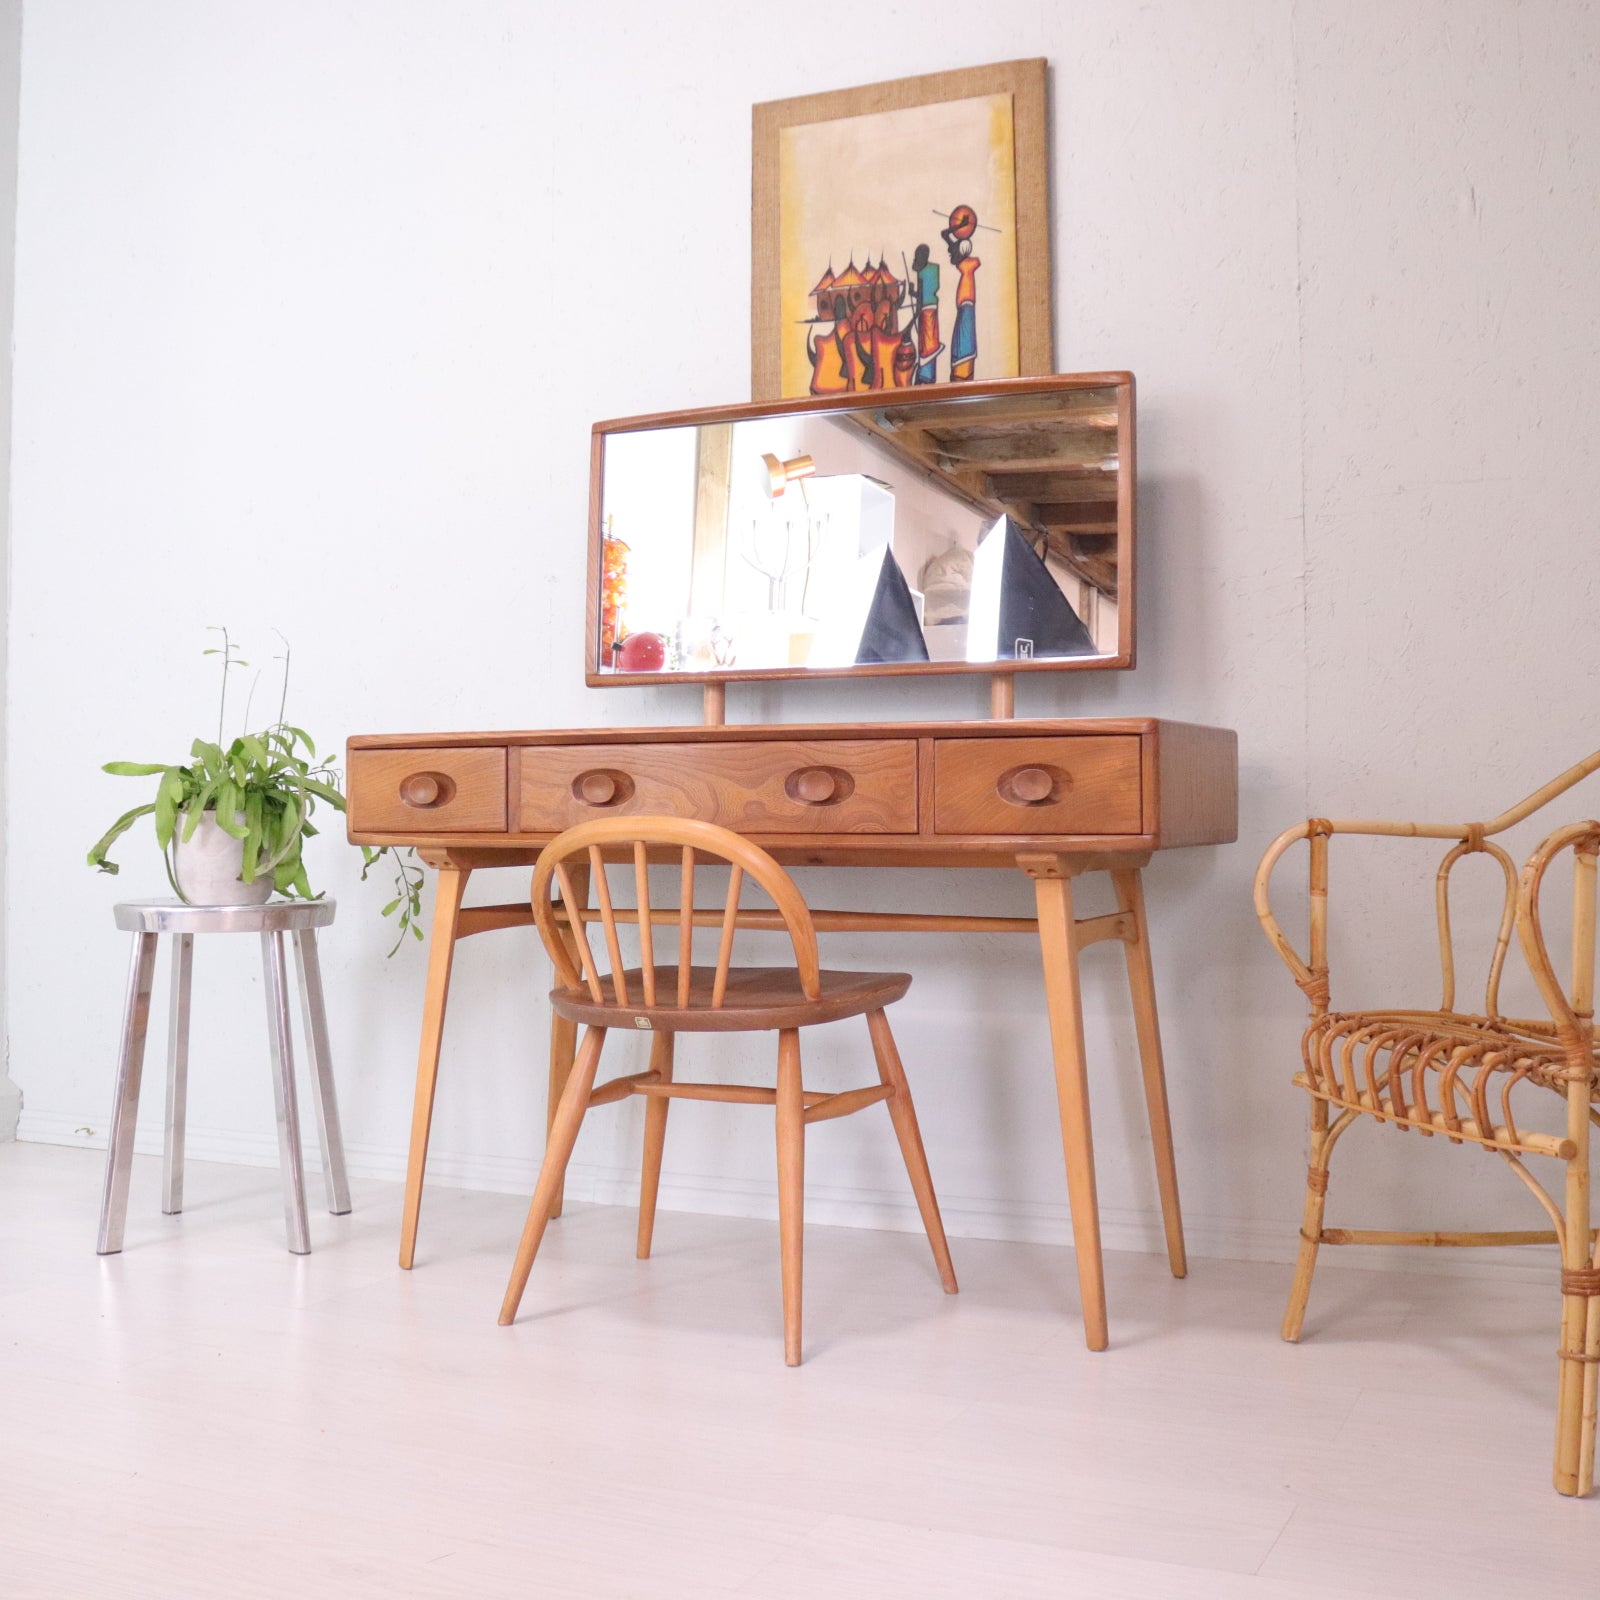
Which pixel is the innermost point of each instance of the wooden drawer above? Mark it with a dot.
(428, 791)
(1037, 786)
(765, 786)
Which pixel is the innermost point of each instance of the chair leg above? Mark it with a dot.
(1323, 1140)
(655, 1138)
(1579, 1380)
(558, 1151)
(904, 1116)
(791, 1185)
(1591, 1395)
(1575, 1394)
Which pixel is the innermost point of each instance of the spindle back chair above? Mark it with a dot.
(668, 997)
(1453, 1073)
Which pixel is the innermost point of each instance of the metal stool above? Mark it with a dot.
(147, 920)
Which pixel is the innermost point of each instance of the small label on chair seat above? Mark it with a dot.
(641, 1022)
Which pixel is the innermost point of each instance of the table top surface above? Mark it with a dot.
(175, 916)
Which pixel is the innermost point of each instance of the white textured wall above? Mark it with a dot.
(289, 354)
(10, 81)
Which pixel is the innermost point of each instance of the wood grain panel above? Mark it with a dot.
(427, 791)
(820, 786)
(1197, 784)
(1037, 786)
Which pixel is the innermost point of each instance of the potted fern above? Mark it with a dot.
(231, 821)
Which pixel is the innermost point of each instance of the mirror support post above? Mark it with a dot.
(716, 705)
(1002, 696)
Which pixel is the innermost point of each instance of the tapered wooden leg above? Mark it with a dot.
(655, 1138)
(448, 892)
(1063, 997)
(564, 1034)
(1129, 885)
(558, 1151)
(904, 1117)
(791, 1185)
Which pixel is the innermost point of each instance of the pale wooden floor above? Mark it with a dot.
(208, 1416)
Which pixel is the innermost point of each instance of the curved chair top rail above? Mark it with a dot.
(1519, 908)
(588, 843)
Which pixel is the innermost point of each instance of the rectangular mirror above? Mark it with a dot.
(982, 527)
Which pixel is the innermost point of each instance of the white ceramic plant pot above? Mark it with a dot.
(207, 867)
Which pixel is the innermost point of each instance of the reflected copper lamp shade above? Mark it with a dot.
(776, 475)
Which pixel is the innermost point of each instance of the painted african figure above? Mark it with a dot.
(926, 278)
(964, 336)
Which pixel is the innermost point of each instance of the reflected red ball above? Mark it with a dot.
(642, 652)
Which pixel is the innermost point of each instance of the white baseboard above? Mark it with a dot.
(965, 1216)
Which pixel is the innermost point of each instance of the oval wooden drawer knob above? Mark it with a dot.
(1031, 785)
(597, 788)
(814, 786)
(421, 789)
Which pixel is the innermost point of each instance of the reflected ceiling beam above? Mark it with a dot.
(1048, 461)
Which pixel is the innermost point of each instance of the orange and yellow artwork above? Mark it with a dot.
(897, 243)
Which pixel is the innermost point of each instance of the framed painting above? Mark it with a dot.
(900, 235)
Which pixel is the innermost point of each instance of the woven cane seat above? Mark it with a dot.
(1444, 1071)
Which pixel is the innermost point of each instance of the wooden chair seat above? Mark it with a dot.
(756, 999)
(668, 999)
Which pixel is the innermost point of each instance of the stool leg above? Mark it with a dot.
(130, 1068)
(294, 1187)
(177, 1075)
(316, 1032)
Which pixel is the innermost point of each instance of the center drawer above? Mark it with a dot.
(764, 786)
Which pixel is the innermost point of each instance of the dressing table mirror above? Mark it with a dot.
(980, 528)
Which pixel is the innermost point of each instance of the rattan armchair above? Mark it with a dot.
(1454, 1073)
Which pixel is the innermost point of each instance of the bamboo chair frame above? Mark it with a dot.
(669, 998)
(1472, 1063)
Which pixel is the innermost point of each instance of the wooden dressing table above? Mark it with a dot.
(1053, 799)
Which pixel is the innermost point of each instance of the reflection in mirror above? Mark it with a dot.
(951, 532)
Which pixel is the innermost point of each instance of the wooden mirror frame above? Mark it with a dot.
(933, 396)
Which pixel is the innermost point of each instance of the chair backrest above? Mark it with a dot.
(589, 843)
(1519, 902)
